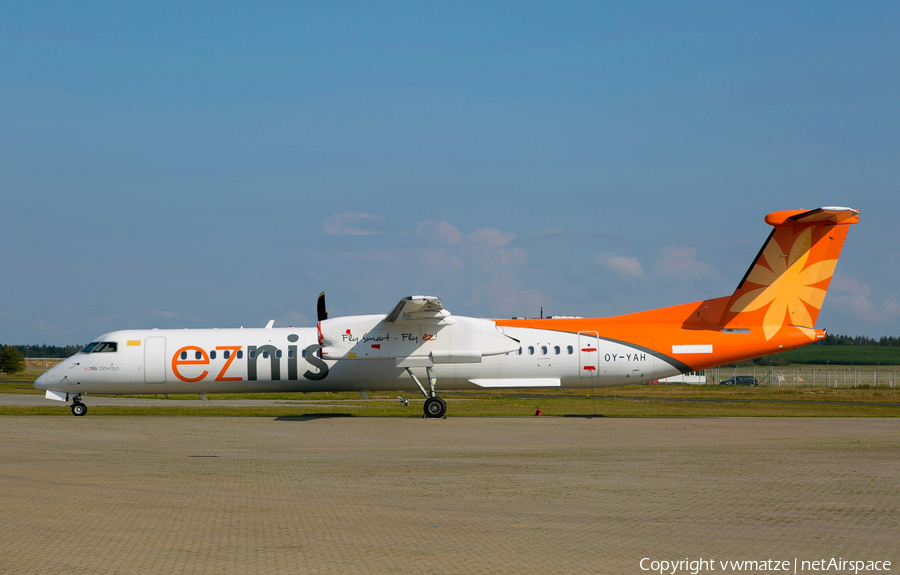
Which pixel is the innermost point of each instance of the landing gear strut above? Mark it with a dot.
(78, 408)
(435, 407)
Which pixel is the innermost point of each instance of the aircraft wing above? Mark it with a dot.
(419, 309)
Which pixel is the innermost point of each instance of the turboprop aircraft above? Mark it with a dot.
(774, 308)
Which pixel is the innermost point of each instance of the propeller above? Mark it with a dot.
(321, 312)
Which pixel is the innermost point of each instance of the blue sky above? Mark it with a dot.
(207, 165)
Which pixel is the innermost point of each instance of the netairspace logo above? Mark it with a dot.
(696, 566)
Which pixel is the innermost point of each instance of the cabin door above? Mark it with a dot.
(155, 360)
(588, 353)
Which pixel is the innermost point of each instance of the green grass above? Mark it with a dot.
(629, 401)
(20, 382)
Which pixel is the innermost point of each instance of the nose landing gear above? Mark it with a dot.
(78, 408)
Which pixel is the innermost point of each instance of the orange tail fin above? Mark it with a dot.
(786, 285)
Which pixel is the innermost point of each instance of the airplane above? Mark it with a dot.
(773, 309)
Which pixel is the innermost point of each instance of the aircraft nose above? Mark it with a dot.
(41, 382)
(49, 378)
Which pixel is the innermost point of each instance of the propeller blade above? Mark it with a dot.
(321, 312)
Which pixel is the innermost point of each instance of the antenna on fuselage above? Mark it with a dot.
(321, 312)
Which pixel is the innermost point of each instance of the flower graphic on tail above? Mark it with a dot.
(787, 283)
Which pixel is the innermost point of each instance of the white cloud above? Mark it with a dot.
(503, 292)
(169, 314)
(441, 259)
(488, 248)
(5, 313)
(42, 326)
(437, 258)
(853, 297)
(348, 224)
(296, 319)
(680, 262)
(622, 265)
(442, 232)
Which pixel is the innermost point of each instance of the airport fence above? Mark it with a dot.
(811, 376)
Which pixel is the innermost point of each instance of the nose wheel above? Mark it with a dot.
(78, 408)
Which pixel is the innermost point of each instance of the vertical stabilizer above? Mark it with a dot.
(786, 285)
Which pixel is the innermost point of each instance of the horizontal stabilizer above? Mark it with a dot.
(830, 215)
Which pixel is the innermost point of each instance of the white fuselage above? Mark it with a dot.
(288, 360)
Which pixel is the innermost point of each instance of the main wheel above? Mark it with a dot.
(435, 408)
(79, 409)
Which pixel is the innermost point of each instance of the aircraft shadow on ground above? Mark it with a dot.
(312, 416)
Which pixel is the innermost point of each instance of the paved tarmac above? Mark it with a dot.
(314, 494)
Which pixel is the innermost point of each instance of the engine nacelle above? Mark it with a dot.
(354, 337)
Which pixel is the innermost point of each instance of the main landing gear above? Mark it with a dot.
(435, 407)
(78, 408)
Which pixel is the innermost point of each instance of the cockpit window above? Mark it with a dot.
(89, 347)
(106, 347)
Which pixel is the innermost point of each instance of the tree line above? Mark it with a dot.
(12, 357)
(48, 351)
(838, 339)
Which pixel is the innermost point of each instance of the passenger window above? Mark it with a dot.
(278, 354)
(252, 354)
(198, 355)
(240, 354)
(304, 353)
(556, 349)
(212, 354)
(570, 349)
(291, 354)
(520, 351)
(543, 350)
(183, 355)
(227, 354)
(530, 350)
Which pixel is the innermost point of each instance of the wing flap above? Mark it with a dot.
(521, 382)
